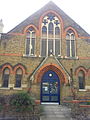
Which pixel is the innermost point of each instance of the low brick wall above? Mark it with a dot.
(9, 113)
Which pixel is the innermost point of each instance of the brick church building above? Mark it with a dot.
(47, 53)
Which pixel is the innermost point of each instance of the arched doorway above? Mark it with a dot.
(50, 87)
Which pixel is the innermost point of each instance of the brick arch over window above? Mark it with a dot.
(80, 69)
(88, 74)
(54, 68)
(57, 15)
(7, 66)
(70, 28)
(21, 67)
(31, 26)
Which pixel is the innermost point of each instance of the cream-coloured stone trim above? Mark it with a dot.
(3, 88)
(76, 57)
(17, 88)
(82, 90)
(24, 55)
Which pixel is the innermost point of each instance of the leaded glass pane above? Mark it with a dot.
(50, 28)
(33, 34)
(57, 31)
(28, 35)
(50, 47)
(67, 37)
(5, 80)
(72, 37)
(81, 82)
(18, 80)
(43, 47)
(81, 78)
(44, 31)
(32, 46)
(57, 47)
(27, 46)
(73, 47)
(68, 48)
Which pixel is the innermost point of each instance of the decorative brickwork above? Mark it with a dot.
(19, 66)
(68, 28)
(7, 66)
(59, 17)
(33, 26)
(54, 68)
(81, 69)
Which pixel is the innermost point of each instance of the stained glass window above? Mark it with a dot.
(50, 41)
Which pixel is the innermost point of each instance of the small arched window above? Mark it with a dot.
(5, 78)
(70, 43)
(50, 28)
(30, 42)
(50, 41)
(81, 79)
(18, 78)
(57, 31)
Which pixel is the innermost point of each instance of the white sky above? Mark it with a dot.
(15, 11)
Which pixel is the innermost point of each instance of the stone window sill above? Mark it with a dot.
(82, 90)
(2, 88)
(17, 88)
(29, 56)
(72, 58)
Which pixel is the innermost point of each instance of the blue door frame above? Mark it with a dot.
(50, 87)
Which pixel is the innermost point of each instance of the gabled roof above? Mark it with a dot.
(34, 19)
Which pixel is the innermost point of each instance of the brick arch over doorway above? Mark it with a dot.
(53, 67)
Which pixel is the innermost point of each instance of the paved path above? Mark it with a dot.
(56, 112)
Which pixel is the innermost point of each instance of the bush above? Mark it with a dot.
(2, 100)
(88, 103)
(1, 107)
(22, 101)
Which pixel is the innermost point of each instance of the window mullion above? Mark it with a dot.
(47, 39)
(70, 47)
(54, 42)
(30, 43)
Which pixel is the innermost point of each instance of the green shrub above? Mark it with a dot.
(22, 101)
(88, 103)
(2, 100)
(1, 107)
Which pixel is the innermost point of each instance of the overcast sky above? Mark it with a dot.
(15, 11)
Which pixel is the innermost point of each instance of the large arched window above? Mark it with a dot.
(81, 79)
(30, 42)
(50, 41)
(18, 78)
(5, 78)
(70, 43)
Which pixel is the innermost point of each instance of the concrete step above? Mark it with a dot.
(56, 112)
